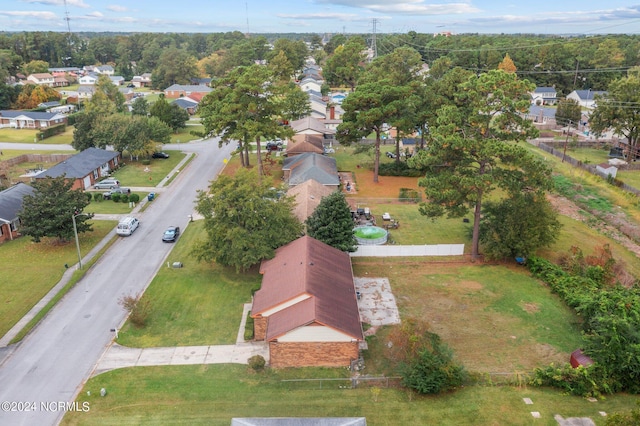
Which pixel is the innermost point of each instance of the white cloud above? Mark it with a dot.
(413, 7)
(49, 16)
(335, 16)
(76, 3)
(117, 8)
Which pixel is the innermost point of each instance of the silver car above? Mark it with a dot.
(107, 184)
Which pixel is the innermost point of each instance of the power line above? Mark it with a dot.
(374, 48)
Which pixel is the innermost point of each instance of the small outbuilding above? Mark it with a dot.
(578, 358)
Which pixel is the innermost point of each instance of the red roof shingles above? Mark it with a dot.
(308, 266)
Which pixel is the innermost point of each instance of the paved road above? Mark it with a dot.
(53, 362)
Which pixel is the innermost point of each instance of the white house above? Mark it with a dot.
(544, 96)
(88, 80)
(586, 98)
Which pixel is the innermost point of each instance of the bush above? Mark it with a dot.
(145, 161)
(98, 196)
(581, 381)
(409, 194)
(433, 370)
(138, 308)
(134, 198)
(257, 363)
(89, 196)
(398, 169)
(116, 197)
(124, 198)
(52, 131)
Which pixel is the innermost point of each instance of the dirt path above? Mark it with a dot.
(568, 208)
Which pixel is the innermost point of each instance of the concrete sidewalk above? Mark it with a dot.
(120, 356)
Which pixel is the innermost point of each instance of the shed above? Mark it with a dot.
(578, 358)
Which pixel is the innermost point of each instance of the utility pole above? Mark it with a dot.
(564, 153)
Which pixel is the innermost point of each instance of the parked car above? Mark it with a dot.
(390, 154)
(329, 150)
(171, 234)
(160, 154)
(107, 184)
(274, 145)
(127, 225)
(121, 190)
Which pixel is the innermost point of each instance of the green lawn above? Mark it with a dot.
(199, 304)
(30, 136)
(213, 394)
(134, 173)
(23, 284)
(110, 206)
(184, 135)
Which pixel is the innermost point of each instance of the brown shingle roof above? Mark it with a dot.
(305, 143)
(307, 266)
(308, 195)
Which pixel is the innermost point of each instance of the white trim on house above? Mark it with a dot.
(285, 305)
(315, 333)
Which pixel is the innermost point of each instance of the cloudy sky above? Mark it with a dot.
(320, 16)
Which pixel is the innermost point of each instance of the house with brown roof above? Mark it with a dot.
(42, 79)
(306, 309)
(307, 197)
(301, 143)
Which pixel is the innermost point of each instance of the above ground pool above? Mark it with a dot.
(370, 235)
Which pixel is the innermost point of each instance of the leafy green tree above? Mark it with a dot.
(170, 113)
(517, 226)
(434, 369)
(367, 110)
(106, 99)
(134, 134)
(249, 104)
(35, 67)
(83, 135)
(175, 66)
(568, 113)
(331, 223)
(48, 212)
(281, 66)
(140, 106)
(295, 51)
(245, 221)
(472, 151)
(401, 68)
(619, 110)
(8, 95)
(346, 63)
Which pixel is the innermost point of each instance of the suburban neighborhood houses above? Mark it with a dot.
(364, 234)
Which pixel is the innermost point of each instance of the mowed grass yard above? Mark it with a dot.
(199, 304)
(213, 394)
(31, 269)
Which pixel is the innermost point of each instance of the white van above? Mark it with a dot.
(127, 225)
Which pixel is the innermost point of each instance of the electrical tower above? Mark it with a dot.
(69, 42)
(374, 48)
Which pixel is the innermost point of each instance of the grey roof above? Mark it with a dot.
(587, 95)
(544, 90)
(311, 166)
(80, 165)
(48, 104)
(11, 201)
(185, 103)
(299, 421)
(546, 112)
(31, 114)
(189, 88)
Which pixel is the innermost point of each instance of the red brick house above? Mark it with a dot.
(307, 309)
(10, 206)
(85, 168)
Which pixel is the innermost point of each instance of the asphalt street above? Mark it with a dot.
(48, 368)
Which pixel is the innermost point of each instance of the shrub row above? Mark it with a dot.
(611, 320)
(398, 169)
